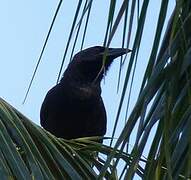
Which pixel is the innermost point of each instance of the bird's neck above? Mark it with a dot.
(78, 89)
(79, 79)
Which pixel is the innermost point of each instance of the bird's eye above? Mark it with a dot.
(100, 48)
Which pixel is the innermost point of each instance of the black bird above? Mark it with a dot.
(74, 107)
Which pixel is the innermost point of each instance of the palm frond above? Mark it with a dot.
(163, 104)
(30, 152)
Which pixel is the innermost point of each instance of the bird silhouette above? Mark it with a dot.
(74, 107)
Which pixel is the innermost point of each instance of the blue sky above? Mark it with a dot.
(24, 25)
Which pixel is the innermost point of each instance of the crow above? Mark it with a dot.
(74, 107)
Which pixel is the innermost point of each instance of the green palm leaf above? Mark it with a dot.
(30, 152)
(163, 105)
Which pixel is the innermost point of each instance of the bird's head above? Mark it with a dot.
(90, 64)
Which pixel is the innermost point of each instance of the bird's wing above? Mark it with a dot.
(73, 114)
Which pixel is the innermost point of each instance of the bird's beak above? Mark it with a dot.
(113, 53)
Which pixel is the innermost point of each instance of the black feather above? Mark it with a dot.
(74, 107)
